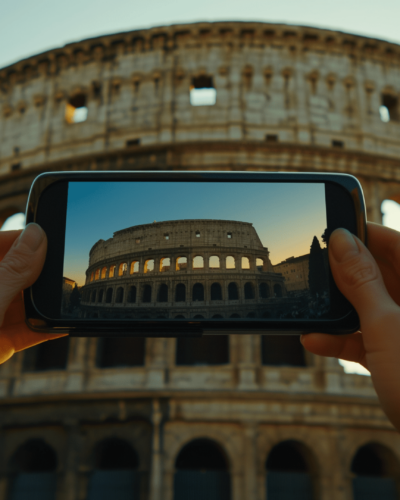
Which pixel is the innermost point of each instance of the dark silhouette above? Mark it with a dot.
(75, 298)
(317, 277)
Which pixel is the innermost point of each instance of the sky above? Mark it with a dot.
(285, 216)
(30, 27)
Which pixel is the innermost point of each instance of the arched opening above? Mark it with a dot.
(132, 294)
(122, 268)
(181, 263)
(162, 293)
(49, 355)
(103, 273)
(146, 293)
(282, 350)
(112, 272)
(76, 110)
(201, 472)
(245, 263)
(119, 352)
(277, 290)
(259, 264)
(197, 234)
(93, 299)
(391, 213)
(119, 298)
(289, 472)
(180, 293)
(198, 292)
(109, 295)
(230, 262)
(149, 266)
(248, 291)
(10, 221)
(97, 274)
(134, 267)
(376, 471)
(216, 291)
(165, 264)
(34, 471)
(233, 293)
(115, 474)
(198, 262)
(202, 351)
(264, 291)
(91, 276)
(101, 295)
(214, 262)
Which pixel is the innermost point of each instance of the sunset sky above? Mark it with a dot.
(285, 216)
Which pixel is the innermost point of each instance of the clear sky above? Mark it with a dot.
(285, 216)
(29, 27)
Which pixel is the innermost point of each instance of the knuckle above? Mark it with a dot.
(358, 272)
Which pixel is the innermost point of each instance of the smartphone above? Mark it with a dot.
(191, 253)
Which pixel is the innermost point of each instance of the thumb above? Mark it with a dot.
(358, 277)
(21, 265)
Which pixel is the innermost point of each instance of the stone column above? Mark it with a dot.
(70, 482)
(156, 458)
(156, 362)
(247, 368)
(250, 461)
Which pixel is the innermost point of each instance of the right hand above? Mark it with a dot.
(370, 280)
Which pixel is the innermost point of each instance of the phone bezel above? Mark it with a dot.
(50, 212)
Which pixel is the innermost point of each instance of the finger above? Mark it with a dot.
(384, 244)
(21, 265)
(7, 238)
(358, 277)
(348, 347)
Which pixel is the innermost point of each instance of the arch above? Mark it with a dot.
(230, 262)
(149, 265)
(115, 474)
(34, 465)
(112, 272)
(119, 298)
(214, 262)
(132, 294)
(118, 352)
(259, 263)
(91, 276)
(248, 291)
(202, 351)
(277, 290)
(245, 263)
(216, 291)
(198, 262)
(97, 274)
(197, 234)
(93, 298)
(109, 295)
(376, 471)
(181, 264)
(233, 292)
(101, 295)
(289, 468)
(103, 272)
(198, 292)
(134, 267)
(282, 350)
(180, 292)
(202, 472)
(264, 291)
(165, 264)
(162, 295)
(146, 293)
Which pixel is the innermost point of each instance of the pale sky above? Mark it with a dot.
(30, 27)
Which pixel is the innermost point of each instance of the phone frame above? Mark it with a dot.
(42, 210)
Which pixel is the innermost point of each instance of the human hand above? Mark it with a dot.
(22, 255)
(370, 280)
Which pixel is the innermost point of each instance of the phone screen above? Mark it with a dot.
(196, 250)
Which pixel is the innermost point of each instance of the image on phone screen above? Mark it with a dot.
(196, 250)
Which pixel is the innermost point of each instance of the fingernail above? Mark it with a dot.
(32, 236)
(342, 245)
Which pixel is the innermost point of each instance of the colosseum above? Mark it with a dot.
(194, 269)
(229, 417)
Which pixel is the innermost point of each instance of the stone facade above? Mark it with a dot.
(188, 268)
(288, 98)
(295, 272)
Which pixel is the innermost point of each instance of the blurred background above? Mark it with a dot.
(258, 86)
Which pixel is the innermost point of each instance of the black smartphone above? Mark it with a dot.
(187, 253)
